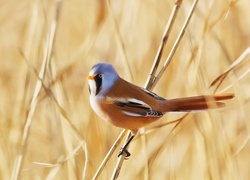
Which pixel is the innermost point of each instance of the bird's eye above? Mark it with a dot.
(100, 75)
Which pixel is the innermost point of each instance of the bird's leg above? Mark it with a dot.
(124, 148)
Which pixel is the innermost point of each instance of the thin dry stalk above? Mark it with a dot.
(82, 143)
(60, 162)
(70, 125)
(207, 28)
(164, 39)
(85, 48)
(109, 154)
(120, 161)
(235, 65)
(154, 67)
(21, 155)
(120, 43)
(166, 124)
(223, 15)
(38, 87)
(176, 44)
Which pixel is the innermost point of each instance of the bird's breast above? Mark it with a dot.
(95, 104)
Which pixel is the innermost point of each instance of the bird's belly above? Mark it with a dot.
(116, 117)
(111, 113)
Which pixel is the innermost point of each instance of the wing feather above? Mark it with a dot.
(136, 108)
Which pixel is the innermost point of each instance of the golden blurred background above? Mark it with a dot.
(48, 130)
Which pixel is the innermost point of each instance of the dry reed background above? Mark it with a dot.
(206, 145)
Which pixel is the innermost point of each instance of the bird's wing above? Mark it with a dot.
(135, 107)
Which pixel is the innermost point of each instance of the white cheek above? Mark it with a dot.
(92, 87)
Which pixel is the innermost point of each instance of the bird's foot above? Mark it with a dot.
(124, 150)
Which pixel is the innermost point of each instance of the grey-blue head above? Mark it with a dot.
(102, 77)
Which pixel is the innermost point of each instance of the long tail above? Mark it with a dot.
(196, 103)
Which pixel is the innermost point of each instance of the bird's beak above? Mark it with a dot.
(90, 77)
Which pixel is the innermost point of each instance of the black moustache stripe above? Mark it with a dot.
(98, 82)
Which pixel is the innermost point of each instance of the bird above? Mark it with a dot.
(131, 107)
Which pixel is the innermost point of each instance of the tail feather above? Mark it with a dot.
(197, 103)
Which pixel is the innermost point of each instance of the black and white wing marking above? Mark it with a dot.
(136, 108)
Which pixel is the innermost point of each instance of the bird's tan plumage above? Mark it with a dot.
(131, 107)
